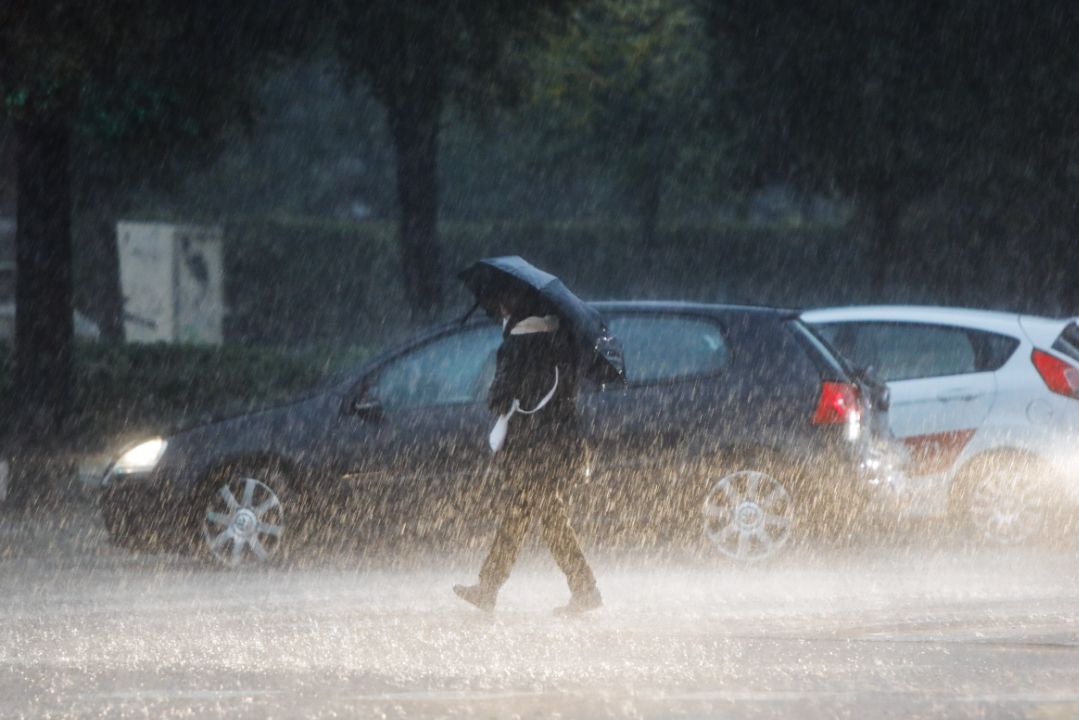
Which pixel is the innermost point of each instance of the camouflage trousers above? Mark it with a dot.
(538, 498)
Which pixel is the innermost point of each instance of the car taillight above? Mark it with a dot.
(839, 404)
(1058, 376)
(837, 401)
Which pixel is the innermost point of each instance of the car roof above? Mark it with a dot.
(962, 317)
(603, 306)
(1043, 331)
(473, 319)
(679, 305)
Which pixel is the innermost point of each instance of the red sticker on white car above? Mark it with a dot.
(936, 452)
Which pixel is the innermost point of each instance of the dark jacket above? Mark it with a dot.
(525, 371)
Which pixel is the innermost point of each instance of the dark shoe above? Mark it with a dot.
(581, 602)
(477, 595)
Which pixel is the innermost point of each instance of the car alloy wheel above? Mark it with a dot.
(244, 522)
(1003, 508)
(748, 515)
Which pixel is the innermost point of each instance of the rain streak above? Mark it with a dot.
(564, 359)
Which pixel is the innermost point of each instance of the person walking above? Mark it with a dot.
(538, 447)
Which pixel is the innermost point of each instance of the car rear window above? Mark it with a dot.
(1068, 342)
(830, 364)
(991, 351)
(659, 347)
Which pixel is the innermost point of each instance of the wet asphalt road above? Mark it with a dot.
(903, 631)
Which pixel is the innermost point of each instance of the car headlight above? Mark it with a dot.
(141, 458)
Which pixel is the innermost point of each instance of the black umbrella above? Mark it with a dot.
(492, 279)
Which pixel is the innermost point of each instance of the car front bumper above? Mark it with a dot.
(147, 509)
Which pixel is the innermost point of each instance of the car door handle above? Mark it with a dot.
(958, 395)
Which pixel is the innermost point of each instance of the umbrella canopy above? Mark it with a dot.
(494, 279)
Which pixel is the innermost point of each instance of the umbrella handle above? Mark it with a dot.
(546, 398)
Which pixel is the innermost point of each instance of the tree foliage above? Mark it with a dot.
(887, 102)
(627, 88)
(417, 55)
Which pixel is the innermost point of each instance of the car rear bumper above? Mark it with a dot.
(1064, 478)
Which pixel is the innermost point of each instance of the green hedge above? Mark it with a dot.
(782, 266)
(298, 283)
(291, 281)
(146, 388)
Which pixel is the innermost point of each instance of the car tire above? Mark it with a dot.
(997, 501)
(748, 509)
(248, 516)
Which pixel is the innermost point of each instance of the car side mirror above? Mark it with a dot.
(363, 404)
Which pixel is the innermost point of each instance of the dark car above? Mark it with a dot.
(738, 426)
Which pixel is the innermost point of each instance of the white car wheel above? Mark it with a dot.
(748, 515)
(1003, 508)
(243, 522)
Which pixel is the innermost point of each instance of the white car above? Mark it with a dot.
(986, 403)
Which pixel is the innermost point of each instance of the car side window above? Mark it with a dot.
(906, 351)
(658, 347)
(450, 369)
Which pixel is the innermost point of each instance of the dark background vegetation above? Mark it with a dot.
(356, 153)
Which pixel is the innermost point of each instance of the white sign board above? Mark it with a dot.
(172, 278)
(200, 285)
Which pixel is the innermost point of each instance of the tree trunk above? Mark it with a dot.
(44, 332)
(649, 199)
(111, 301)
(105, 299)
(414, 120)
